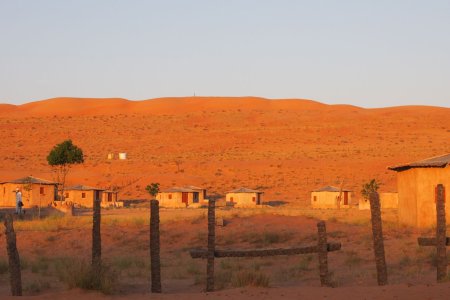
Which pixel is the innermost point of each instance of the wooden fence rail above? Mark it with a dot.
(203, 253)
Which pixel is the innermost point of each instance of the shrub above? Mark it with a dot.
(78, 274)
(246, 278)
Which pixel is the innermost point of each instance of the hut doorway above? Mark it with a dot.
(195, 197)
(258, 199)
(345, 198)
(184, 198)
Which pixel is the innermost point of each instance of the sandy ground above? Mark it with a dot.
(285, 147)
(51, 247)
(440, 291)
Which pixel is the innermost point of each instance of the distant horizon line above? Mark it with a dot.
(228, 97)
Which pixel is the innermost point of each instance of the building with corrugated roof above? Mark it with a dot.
(416, 183)
(244, 197)
(328, 197)
(179, 197)
(35, 192)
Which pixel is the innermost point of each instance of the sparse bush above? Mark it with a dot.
(352, 259)
(246, 278)
(37, 286)
(78, 274)
(41, 264)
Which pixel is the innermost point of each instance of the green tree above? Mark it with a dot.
(61, 158)
(369, 188)
(153, 189)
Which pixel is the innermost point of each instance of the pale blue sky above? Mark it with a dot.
(366, 53)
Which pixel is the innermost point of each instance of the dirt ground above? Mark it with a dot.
(53, 248)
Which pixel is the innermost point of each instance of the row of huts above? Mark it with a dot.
(37, 192)
(40, 192)
(192, 196)
(415, 199)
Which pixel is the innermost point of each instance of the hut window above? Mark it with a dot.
(231, 199)
(67, 195)
(253, 199)
(170, 196)
(315, 198)
(109, 197)
(41, 190)
(83, 195)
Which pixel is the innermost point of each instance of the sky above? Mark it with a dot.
(365, 53)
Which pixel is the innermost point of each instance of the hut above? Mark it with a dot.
(416, 183)
(387, 200)
(244, 197)
(35, 192)
(328, 197)
(82, 195)
(186, 196)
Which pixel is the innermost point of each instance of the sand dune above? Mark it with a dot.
(286, 147)
(111, 106)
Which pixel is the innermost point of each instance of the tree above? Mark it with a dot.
(61, 158)
(369, 188)
(152, 189)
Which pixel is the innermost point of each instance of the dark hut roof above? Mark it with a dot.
(30, 179)
(245, 190)
(330, 188)
(82, 188)
(433, 162)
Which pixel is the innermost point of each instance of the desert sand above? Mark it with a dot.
(284, 147)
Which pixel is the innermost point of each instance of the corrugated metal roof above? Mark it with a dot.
(82, 188)
(245, 190)
(330, 188)
(433, 162)
(30, 179)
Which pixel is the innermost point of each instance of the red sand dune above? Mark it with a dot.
(286, 147)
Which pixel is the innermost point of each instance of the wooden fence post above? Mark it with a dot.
(96, 237)
(155, 247)
(323, 254)
(211, 245)
(13, 257)
(378, 242)
(441, 238)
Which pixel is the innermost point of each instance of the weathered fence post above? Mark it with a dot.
(13, 257)
(322, 251)
(378, 242)
(96, 237)
(211, 245)
(441, 237)
(155, 247)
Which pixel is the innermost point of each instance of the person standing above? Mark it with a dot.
(19, 202)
